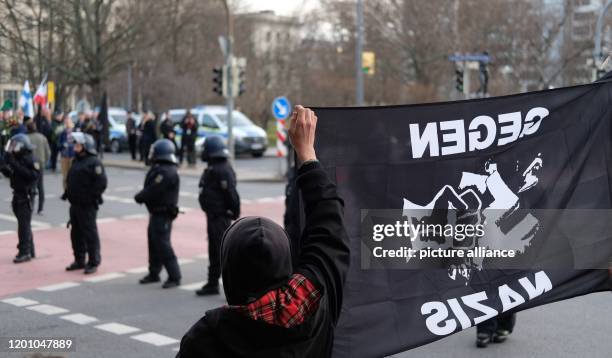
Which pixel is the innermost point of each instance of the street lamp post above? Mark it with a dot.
(229, 65)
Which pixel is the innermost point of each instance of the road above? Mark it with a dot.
(110, 314)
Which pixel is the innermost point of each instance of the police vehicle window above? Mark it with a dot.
(238, 119)
(119, 118)
(176, 117)
(208, 121)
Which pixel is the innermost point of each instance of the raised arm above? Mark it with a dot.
(324, 244)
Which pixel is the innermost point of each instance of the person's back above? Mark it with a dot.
(275, 311)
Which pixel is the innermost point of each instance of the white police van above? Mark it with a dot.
(248, 138)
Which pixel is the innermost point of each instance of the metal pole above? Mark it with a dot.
(230, 95)
(358, 53)
(597, 54)
(129, 88)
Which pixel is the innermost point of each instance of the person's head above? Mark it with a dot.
(30, 126)
(19, 144)
(82, 116)
(255, 257)
(19, 114)
(84, 144)
(162, 151)
(67, 121)
(214, 148)
(58, 115)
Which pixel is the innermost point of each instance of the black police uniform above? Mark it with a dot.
(85, 183)
(23, 172)
(160, 194)
(217, 198)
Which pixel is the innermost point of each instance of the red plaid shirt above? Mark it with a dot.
(287, 306)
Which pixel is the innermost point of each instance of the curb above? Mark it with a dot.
(272, 179)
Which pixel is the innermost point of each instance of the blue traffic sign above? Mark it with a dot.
(281, 107)
(476, 58)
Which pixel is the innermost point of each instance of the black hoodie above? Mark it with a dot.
(323, 260)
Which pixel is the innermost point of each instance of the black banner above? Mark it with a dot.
(547, 150)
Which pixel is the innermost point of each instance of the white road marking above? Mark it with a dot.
(155, 339)
(188, 194)
(79, 318)
(58, 286)
(106, 220)
(47, 309)
(36, 223)
(117, 328)
(265, 200)
(20, 301)
(125, 188)
(105, 277)
(192, 286)
(185, 261)
(204, 256)
(246, 201)
(8, 232)
(176, 349)
(119, 199)
(134, 216)
(141, 269)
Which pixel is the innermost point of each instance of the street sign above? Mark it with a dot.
(477, 58)
(281, 108)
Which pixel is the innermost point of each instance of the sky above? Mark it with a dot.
(281, 7)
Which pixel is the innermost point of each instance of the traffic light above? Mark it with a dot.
(459, 85)
(238, 79)
(219, 80)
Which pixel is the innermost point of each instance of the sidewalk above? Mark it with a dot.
(247, 169)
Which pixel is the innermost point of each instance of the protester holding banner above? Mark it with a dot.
(274, 310)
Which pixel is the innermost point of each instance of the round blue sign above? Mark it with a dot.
(281, 108)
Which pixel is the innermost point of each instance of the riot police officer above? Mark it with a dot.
(85, 183)
(221, 203)
(20, 167)
(160, 195)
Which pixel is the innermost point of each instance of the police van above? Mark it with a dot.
(248, 138)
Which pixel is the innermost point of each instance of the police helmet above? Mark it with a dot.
(87, 141)
(162, 151)
(18, 143)
(214, 147)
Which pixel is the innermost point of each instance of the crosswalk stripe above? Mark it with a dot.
(79, 318)
(105, 277)
(8, 232)
(47, 309)
(141, 269)
(192, 286)
(185, 261)
(117, 328)
(155, 339)
(106, 220)
(134, 216)
(20, 301)
(58, 286)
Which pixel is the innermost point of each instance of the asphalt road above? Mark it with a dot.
(115, 316)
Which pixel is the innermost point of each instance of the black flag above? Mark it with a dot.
(520, 162)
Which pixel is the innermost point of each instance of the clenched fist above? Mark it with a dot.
(302, 133)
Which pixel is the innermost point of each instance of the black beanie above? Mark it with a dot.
(255, 257)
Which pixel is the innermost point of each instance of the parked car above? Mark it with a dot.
(248, 138)
(117, 118)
